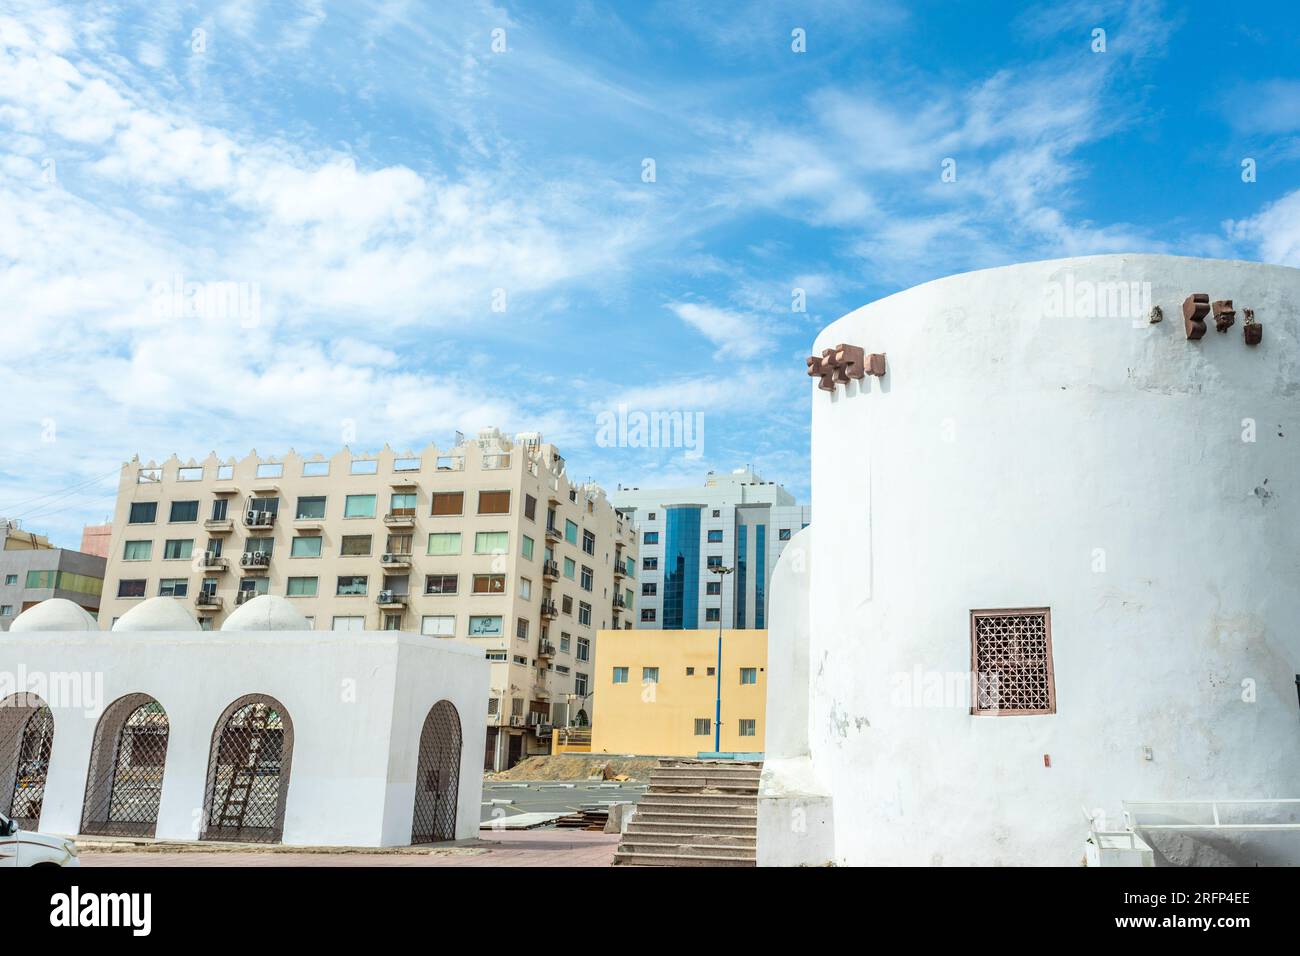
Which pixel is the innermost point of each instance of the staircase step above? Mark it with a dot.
(692, 816)
(691, 849)
(679, 859)
(739, 841)
(693, 805)
(640, 827)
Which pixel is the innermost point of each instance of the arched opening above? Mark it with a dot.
(437, 776)
(127, 759)
(26, 738)
(248, 772)
(581, 719)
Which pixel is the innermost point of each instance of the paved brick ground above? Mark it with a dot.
(518, 848)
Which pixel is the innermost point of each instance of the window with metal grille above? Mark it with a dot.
(1011, 662)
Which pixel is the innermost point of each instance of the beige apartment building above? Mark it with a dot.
(487, 542)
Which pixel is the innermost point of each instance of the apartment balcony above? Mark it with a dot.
(390, 599)
(208, 600)
(620, 571)
(550, 571)
(259, 519)
(542, 729)
(219, 525)
(619, 602)
(554, 534)
(549, 611)
(553, 496)
(255, 562)
(402, 518)
(209, 563)
(546, 649)
(404, 481)
(243, 597)
(309, 524)
(518, 720)
(396, 559)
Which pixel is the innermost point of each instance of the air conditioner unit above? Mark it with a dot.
(385, 597)
(517, 720)
(250, 517)
(265, 516)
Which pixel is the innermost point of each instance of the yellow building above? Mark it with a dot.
(655, 692)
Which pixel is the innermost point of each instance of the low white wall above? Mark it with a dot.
(357, 702)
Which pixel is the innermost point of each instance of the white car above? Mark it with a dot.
(29, 848)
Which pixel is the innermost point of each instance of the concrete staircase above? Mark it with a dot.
(695, 813)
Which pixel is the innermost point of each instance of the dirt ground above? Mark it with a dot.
(577, 767)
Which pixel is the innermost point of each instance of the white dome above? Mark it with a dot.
(267, 612)
(55, 614)
(157, 614)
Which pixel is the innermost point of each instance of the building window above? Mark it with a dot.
(444, 543)
(311, 508)
(271, 470)
(495, 462)
(580, 683)
(438, 625)
(649, 564)
(1011, 662)
(713, 614)
(220, 508)
(690, 672)
(12, 579)
(406, 464)
(305, 546)
(584, 649)
(749, 675)
(440, 583)
(351, 585)
(489, 584)
(189, 474)
(494, 502)
(355, 545)
(525, 589)
(6, 610)
(530, 507)
(649, 675)
(133, 588)
(748, 727)
(650, 516)
(565, 640)
(143, 512)
(359, 506)
(365, 466)
(134, 551)
(448, 503)
(715, 561)
(703, 726)
(584, 613)
(392, 622)
(783, 534)
(588, 578)
(566, 604)
(349, 623)
(491, 542)
(300, 587)
(647, 614)
(649, 589)
(570, 568)
(588, 542)
(620, 675)
(173, 587)
(570, 531)
(315, 469)
(225, 472)
(717, 513)
(650, 537)
(713, 587)
(485, 625)
(521, 628)
(182, 511)
(526, 547)
(708, 672)
(715, 536)
(259, 546)
(178, 549)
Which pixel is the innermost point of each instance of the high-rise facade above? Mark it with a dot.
(487, 542)
(736, 521)
(33, 570)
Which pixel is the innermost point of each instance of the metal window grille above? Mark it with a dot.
(124, 785)
(248, 775)
(1011, 662)
(29, 767)
(437, 776)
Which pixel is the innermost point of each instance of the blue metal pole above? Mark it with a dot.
(717, 701)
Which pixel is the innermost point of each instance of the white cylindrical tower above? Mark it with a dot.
(1094, 512)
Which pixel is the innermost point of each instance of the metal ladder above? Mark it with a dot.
(234, 807)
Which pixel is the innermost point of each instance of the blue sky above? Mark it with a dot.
(382, 177)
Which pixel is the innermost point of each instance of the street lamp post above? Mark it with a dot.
(721, 572)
